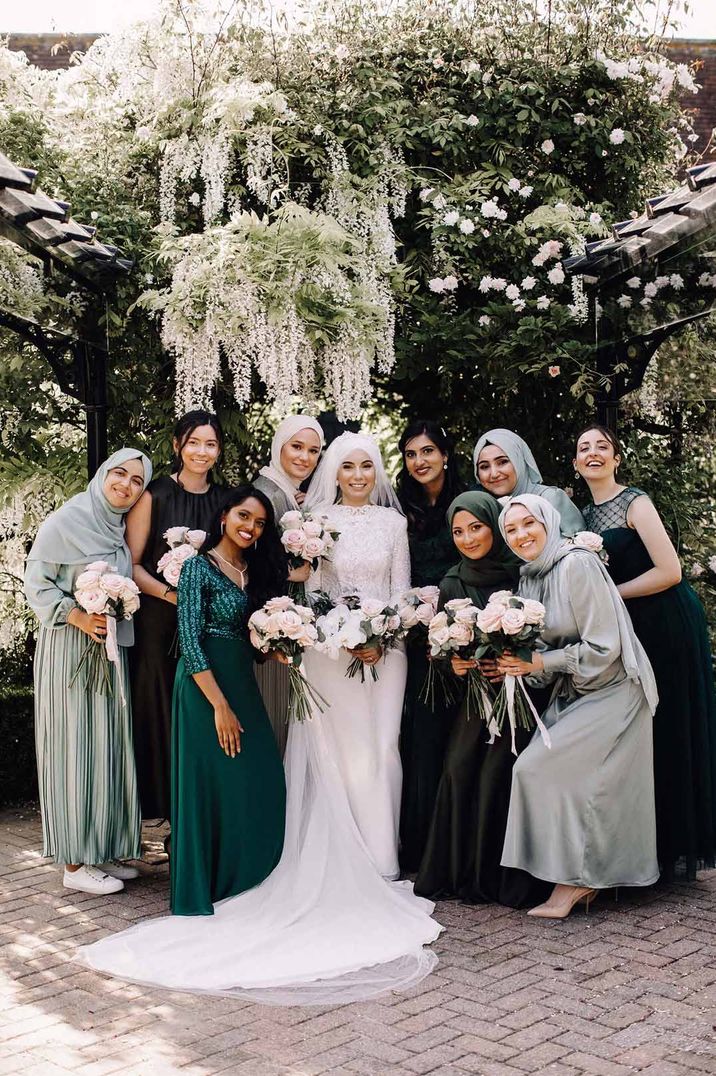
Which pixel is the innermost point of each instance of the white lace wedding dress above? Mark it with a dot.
(325, 927)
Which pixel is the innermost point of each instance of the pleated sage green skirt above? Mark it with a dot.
(85, 758)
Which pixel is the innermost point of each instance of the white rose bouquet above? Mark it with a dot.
(101, 589)
(356, 623)
(453, 631)
(183, 543)
(285, 627)
(509, 622)
(306, 536)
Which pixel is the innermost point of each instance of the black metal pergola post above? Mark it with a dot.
(45, 229)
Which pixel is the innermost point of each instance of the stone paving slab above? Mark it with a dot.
(629, 988)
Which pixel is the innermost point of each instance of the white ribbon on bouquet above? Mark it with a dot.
(511, 685)
(113, 653)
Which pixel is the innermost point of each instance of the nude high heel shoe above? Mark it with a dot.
(579, 895)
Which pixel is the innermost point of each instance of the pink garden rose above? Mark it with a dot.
(424, 614)
(589, 540)
(313, 548)
(113, 585)
(513, 621)
(274, 605)
(460, 633)
(534, 611)
(409, 617)
(87, 579)
(294, 541)
(92, 600)
(175, 536)
(312, 528)
(489, 619)
(372, 607)
(196, 538)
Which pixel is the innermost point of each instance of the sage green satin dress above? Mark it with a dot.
(228, 813)
(582, 811)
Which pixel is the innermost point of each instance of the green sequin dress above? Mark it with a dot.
(228, 813)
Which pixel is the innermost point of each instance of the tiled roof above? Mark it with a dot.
(44, 226)
(675, 222)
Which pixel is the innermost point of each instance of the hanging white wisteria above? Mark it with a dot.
(293, 297)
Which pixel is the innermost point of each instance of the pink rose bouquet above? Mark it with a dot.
(453, 631)
(101, 589)
(183, 543)
(511, 623)
(285, 627)
(306, 536)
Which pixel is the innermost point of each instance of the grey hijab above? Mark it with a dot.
(636, 664)
(529, 477)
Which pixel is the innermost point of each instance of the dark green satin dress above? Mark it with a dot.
(228, 814)
(672, 628)
(424, 732)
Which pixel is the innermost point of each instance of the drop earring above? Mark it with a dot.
(223, 526)
(577, 474)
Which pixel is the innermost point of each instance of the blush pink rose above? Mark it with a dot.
(409, 617)
(460, 633)
(425, 613)
(113, 585)
(589, 540)
(313, 548)
(534, 611)
(274, 605)
(513, 621)
(489, 619)
(99, 566)
(293, 540)
(174, 536)
(312, 528)
(196, 538)
(92, 600)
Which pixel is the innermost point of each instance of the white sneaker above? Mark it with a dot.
(116, 869)
(91, 880)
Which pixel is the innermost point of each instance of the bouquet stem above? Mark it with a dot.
(302, 694)
(94, 662)
(358, 666)
(297, 591)
(478, 699)
(435, 679)
(514, 703)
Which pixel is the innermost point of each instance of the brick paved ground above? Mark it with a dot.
(630, 988)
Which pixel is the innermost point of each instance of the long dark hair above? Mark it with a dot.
(185, 428)
(266, 560)
(422, 516)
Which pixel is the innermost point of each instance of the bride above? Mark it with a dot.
(326, 927)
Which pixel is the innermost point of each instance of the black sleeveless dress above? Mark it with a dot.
(153, 658)
(672, 629)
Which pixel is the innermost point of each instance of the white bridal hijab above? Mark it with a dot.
(285, 430)
(324, 489)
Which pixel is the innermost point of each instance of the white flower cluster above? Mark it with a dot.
(658, 73)
(442, 284)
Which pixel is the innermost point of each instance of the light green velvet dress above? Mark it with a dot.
(85, 757)
(582, 812)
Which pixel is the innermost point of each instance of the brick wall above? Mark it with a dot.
(38, 47)
(703, 104)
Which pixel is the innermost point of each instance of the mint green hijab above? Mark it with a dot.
(87, 527)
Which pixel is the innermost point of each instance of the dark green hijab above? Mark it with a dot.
(499, 570)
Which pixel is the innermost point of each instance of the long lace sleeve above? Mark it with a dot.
(192, 608)
(400, 564)
(48, 601)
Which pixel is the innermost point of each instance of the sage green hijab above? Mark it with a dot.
(87, 527)
(498, 570)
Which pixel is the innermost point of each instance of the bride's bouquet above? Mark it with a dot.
(183, 543)
(356, 622)
(306, 536)
(453, 631)
(416, 609)
(285, 627)
(509, 622)
(101, 589)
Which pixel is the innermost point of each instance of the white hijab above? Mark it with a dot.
(285, 430)
(324, 489)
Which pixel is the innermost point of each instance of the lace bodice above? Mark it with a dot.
(612, 513)
(370, 558)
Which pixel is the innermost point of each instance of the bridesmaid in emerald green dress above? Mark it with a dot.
(670, 622)
(228, 788)
(426, 485)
